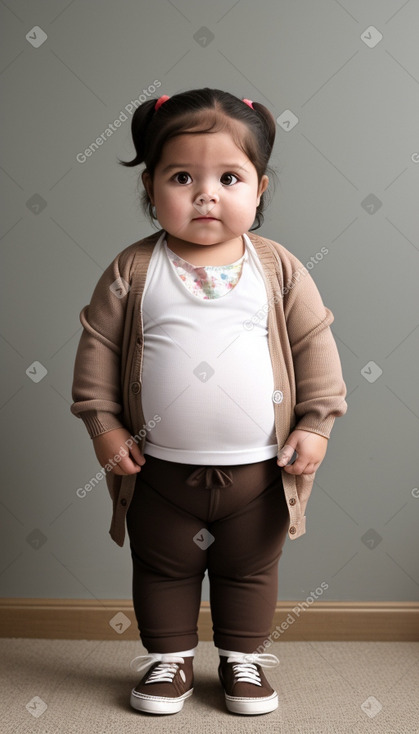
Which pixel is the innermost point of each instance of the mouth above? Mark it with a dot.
(196, 219)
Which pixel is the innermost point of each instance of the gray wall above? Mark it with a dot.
(347, 180)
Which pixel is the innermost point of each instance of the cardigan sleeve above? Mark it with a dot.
(96, 389)
(320, 388)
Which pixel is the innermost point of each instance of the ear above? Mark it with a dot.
(148, 185)
(264, 183)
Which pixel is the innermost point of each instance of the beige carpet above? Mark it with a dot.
(84, 686)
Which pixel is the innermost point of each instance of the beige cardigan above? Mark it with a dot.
(309, 388)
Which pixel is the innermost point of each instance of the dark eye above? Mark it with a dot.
(228, 176)
(181, 176)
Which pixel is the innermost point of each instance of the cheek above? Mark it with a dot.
(165, 200)
(172, 198)
(171, 208)
(246, 203)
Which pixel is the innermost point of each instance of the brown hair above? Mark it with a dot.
(196, 112)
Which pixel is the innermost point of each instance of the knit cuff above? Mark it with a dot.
(323, 428)
(100, 422)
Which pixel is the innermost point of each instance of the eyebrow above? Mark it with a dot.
(197, 165)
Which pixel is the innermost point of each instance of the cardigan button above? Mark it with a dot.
(293, 530)
(135, 388)
(293, 501)
(123, 501)
(277, 396)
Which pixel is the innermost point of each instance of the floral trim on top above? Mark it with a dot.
(207, 281)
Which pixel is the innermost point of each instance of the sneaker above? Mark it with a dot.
(246, 689)
(165, 686)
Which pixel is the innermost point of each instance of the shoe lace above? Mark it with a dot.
(245, 669)
(164, 672)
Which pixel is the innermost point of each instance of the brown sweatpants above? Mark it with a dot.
(184, 519)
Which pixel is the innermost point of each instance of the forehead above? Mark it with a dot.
(211, 145)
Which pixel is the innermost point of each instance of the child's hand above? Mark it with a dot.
(311, 449)
(112, 444)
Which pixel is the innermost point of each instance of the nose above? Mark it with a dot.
(207, 198)
(205, 202)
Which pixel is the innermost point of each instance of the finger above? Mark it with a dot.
(286, 455)
(294, 469)
(298, 468)
(310, 469)
(291, 469)
(136, 455)
(127, 466)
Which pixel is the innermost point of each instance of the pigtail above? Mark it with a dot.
(140, 122)
(269, 121)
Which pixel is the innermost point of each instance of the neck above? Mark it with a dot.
(219, 253)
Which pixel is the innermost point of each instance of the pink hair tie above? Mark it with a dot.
(249, 102)
(161, 101)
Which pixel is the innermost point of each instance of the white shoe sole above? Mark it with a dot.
(252, 705)
(158, 704)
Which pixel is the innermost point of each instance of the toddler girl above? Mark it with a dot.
(209, 380)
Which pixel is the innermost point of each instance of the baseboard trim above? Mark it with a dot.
(113, 619)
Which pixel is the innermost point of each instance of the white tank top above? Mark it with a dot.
(205, 372)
